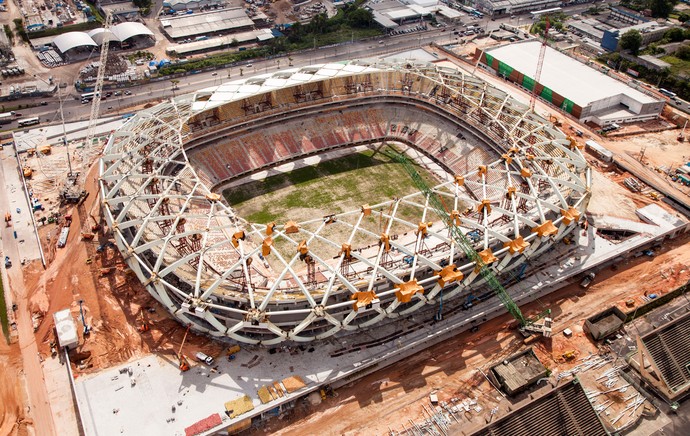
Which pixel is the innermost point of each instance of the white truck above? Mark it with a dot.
(201, 357)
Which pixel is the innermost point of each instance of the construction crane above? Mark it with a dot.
(98, 90)
(184, 363)
(540, 65)
(527, 326)
(72, 192)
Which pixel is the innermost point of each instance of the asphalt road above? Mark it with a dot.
(74, 110)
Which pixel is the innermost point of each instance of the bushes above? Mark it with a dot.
(19, 24)
(79, 27)
(8, 32)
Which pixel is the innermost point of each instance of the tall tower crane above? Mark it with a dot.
(98, 91)
(72, 192)
(540, 64)
(527, 326)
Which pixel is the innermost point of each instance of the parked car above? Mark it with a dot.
(587, 280)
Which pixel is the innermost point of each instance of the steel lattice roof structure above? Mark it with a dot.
(268, 283)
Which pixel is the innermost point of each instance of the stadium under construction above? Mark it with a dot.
(359, 289)
(512, 190)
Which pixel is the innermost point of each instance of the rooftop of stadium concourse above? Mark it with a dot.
(564, 410)
(666, 356)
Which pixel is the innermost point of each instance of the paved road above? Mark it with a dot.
(10, 199)
(74, 110)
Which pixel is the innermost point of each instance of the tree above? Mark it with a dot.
(361, 18)
(674, 35)
(661, 8)
(683, 52)
(631, 40)
(295, 32)
(683, 17)
(318, 23)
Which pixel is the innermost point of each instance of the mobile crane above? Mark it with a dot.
(527, 326)
(184, 363)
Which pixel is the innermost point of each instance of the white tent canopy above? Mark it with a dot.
(119, 32)
(71, 40)
(124, 31)
(98, 35)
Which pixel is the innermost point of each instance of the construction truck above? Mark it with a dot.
(232, 351)
(8, 219)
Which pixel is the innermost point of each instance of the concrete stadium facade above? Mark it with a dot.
(520, 188)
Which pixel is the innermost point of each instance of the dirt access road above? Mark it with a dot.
(395, 394)
(37, 405)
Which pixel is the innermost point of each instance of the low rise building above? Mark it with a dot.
(576, 88)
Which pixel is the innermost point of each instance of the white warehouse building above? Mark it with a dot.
(586, 93)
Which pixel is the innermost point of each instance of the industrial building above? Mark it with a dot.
(392, 13)
(507, 7)
(209, 23)
(588, 28)
(122, 11)
(219, 42)
(587, 94)
(663, 358)
(651, 31)
(203, 265)
(185, 5)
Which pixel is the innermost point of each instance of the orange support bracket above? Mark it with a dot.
(266, 246)
(570, 215)
(449, 274)
(545, 229)
(364, 299)
(406, 290)
(291, 227)
(516, 245)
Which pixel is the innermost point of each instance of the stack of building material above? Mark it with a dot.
(204, 425)
(238, 406)
(293, 383)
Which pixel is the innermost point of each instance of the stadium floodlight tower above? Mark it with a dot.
(515, 186)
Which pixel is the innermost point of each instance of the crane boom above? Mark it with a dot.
(540, 65)
(467, 248)
(97, 90)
